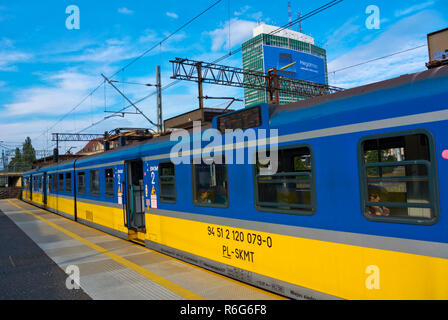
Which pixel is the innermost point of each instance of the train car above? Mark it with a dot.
(355, 208)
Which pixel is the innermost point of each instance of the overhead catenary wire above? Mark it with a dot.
(231, 53)
(128, 65)
(370, 61)
(380, 58)
(289, 24)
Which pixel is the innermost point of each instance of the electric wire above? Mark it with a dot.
(173, 83)
(128, 65)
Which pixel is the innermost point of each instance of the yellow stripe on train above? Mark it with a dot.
(346, 271)
(341, 270)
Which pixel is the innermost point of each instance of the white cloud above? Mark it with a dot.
(242, 10)
(172, 15)
(8, 59)
(125, 10)
(64, 89)
(149, 36)
(257, 15)
(6, 43)
(340, 35)
(240, 30)
(112, 50)
(414, 8)
(407, 33)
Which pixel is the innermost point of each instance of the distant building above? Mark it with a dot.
(267, 50)
(92, 147)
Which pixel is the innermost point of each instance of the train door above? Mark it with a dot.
(135, 200)
(44, 189)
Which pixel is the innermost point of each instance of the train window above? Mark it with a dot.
(61, 182)
(291, 188)
(210, 184)
(398, 178)
(109, 182)
(167, 182)
(68, 182)
(81, 182)
(95, 182)
(55, 183)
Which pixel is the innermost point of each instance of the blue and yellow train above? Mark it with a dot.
(357, 208)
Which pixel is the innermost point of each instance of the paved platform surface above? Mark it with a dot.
(37, 247)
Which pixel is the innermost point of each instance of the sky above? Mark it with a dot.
(48, 69)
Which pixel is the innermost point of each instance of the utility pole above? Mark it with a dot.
(4, 160)
(200, 92)
(159, 100)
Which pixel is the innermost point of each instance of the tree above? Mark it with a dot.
(23, 160)
(29, 154)
(16, 163)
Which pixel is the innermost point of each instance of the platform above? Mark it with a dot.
(38, 246)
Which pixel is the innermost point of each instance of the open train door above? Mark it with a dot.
(134, 193)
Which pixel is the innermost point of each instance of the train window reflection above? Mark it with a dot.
(397, 173)
(210, 187)
(291, 188)
(61, 182)
(95, 182)
(81, 183)
(109, 182)
(68, 182)
(55, 183)
(167, 182)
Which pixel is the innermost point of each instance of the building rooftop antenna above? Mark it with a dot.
(300, 22)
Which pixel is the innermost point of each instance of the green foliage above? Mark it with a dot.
(371, 156)
(23, 159)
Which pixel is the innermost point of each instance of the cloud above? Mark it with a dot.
(64, 89)
(6, 43)
(407, 33)
(172, 15)
(125, 10)
(348, 29)
(242, 10)
(240, 30)
(414, 8)
(149, 36)
(112, 50)
(8, 59)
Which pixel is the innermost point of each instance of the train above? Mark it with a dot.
(354, 210)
